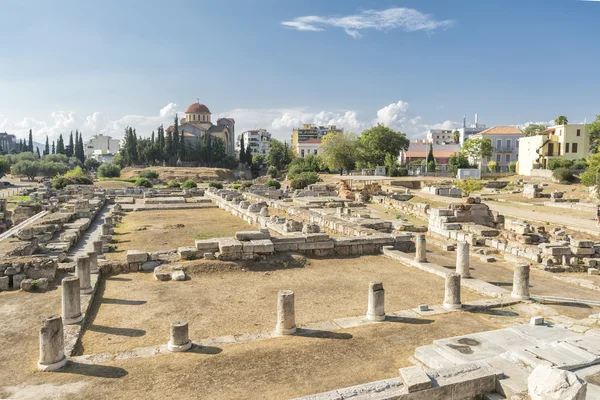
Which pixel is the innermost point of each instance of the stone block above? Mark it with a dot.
(136, 256)
(548, 383)
(4, 281)
(557, 251)
(285, 246)
(593, 271)
(263, 246)
(187, 252)
(229, 246)
(316, 245)
(17, 279)
(251, 235)
(207, 245)
(536, 321)
(209, 256)
(582, 251)
(582, 243)
(12, 270)
(423, 307)
(162, 273)
(415, 379)
(316, 237)
(150, 265)
(39, 269)
(178, 275)
(27, 285)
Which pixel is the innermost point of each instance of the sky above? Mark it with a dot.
(274, 64)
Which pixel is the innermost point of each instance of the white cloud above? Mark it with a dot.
(408, 19)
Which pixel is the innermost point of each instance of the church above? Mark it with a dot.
(198, 123)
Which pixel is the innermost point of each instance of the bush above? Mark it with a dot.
(26, 167)
(73, 177)
(579, 164)
(246, 184)
(51, 168)
(236, 186)
(144, 182)
(189, 184)
(272, 171)
(109, 170)
(91, 163)
(512, 167)
(304, 179)
(273, 183)
(563, 175)
(149, 174)
(558, 163)
(469, 186)
(492, 166)
(397, 170)
(215, 184)
(173, 184)
(431, 166)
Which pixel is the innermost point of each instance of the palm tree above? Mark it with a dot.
(561, 120)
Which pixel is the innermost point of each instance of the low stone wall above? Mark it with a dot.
(13, 271)
(419, 210)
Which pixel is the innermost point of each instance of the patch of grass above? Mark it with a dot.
(129, 180)
(202, 236)
(18, 198)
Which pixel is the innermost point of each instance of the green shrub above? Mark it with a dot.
(189, 184)
(143, 182)
(492, 165)
(236, 186)
(272, 171)
(512, 167)
(109, 170)
(73, 177)
(173, 184)
(558, 163)
(579, 164)
(563, 175)
(246, 184)
(431, 166)
(91, 163)
(273, 183)
(304, 179)
(469, 186)
(149, 174)
(215, 184)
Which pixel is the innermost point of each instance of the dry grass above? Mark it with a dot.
(168, 229)
(167, 174)
(114, 184)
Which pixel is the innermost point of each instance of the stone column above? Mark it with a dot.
(52, 351)
(421, 245)
(83, 272)
(462, 259)
(108, 221)
(286, 314)
(179, 340)
(452, 293)
(71, 300)
(376, 310)
(521, 282)
(105, 230)
(98, 247)
(93, 256)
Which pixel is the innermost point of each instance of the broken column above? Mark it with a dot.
(521, 282)
(52, 352)
(105, 230)
(93, 256)
(376, 311)
(462, 259)
(82, 270)
(71, 300)
(452, 292)
(421, 244)
(179, 340)
(98, 247)
(286, 314)
(108, 221)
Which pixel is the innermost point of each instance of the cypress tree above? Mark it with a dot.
(47, 147)
(242, 150)
(71, 147)
(53, 148)
(176, 138)
(60, 145)
(168, 150)
(30, 147)
(37, 149)
(248, 159)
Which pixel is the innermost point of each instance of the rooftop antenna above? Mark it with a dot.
(464, 121)
(476, 120)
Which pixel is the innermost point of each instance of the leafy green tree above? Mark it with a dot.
(27, 168)
(492, 166)
(272, 171)
(37, 151)
(4, 166)
(168, 149)
(456, 136)
(457, 161)
(91, 163)
(310, 163)
(378, 141)
(52, 168)
(277, 155)
(561, 120)
(477, 149)
(242, 151)
(594, 132)
(338, 151)
(53, 148)
(47, 147)
(534, 129)
(109, 170)
(249, 155)
(431, 167)
(60, 145)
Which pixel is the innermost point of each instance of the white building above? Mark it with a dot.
(505, 144)
(101, 144)
(440, 136)
(308, 147)
(467, 131)
(258, 139)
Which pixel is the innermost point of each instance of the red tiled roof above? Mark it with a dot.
(313, 140)
(197, 108)
(502, 130)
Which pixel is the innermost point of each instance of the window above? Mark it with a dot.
(498, 158)
(302, 153)
(508, 144)
(508, 158)
(194, 117)
(574, 148)
(498, 144)
(578, 132)
(566, 148)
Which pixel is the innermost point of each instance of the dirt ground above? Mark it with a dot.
(133, 307)
(113, 184)
(594, 279)
(168, 229)
(500, 273)
(167, 174)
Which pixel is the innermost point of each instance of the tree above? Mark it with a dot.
(378, 141)
(257, 162)
(249, 156)
(338, 151)
(70, 149)
(53, 148)
(47, 147)
(176, 138)
(60, 145)
(37, 150)
(30, 146)
(277, 155)
(594, 132)
(28, 168)
(456, 136)
(91, 163)
(561, 120)
(477, 149)
(109, 170)
(492, 165)
(431, 167)
(457, 161)
(79, 151)
(533, 129)
(4, 166)
(242, 151)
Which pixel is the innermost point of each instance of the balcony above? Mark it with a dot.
(504, 149)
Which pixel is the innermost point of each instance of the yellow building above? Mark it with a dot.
(310, 131)
(570, 142)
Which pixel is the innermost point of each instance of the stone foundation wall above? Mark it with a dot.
(419, 210)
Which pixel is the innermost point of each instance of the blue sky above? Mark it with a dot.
(99, 66)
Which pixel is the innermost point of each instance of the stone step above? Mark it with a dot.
(564, 355)
(429, 356)
(514, 380)
(493, 396)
